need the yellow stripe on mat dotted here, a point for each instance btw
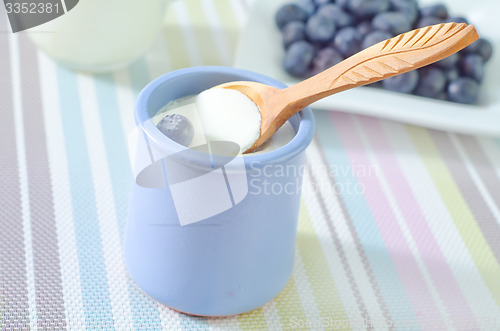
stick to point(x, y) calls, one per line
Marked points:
point(288, 305)
point(459, 211)
point(320, 279)
point(203, 35)
point(175, 44)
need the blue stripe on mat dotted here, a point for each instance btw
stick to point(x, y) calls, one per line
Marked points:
point(380, 261)
point(145, 314)
point(94, 285)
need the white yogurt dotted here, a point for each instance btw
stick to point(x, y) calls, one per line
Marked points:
point(225, 115)
point(229, 115)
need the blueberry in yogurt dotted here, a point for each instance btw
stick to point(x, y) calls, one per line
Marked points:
point(178, 128)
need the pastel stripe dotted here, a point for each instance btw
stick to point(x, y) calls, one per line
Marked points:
point(231, 20)
point(212, 19)
point(288, 304)
point(70, 269)
point(321, 281)
point(14, 308)
point(144, 312)
point(49, 297)
point(483, 166)
point(384, 271)
point(190, 15)
point(469, 191)
point(252, 320)
point(105, 205)
point(304, 291)
point(95, 289)
point(354, 291)
point(174, 40)
point(440, 221)
point(362, 273)
point(383, 214)
point(475, 178)
point(426, 242)
point(181, 18)
point(492, 152)
point(237, 18)
point(271, 316)
point(23, 177)
point(457, 207)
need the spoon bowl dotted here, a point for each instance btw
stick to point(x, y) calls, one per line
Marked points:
point(395, 56)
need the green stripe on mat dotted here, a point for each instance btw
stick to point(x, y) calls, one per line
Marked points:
point(457, 207)
point(318, 274)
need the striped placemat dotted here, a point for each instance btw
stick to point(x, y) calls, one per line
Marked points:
point(399, 225)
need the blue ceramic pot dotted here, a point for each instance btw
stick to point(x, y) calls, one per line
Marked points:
point(234, 261)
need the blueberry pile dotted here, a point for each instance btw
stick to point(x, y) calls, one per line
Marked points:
point(318, 34)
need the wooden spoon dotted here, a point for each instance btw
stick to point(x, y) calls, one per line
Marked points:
point(392, 57)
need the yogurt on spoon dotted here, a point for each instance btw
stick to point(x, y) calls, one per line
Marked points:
point(218, 115)
point(229, 115)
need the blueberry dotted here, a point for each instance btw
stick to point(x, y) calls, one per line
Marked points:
point(485, 49)
point(374, 38)
point(342, 3)
point(472, 65)
point(364, 28)
point(308, 5)
point(320, 28)
point(404, 83)
point(178, 128)
point(347, 41)
point(326, 58)
point(432, 82)
point(292, 32)
point(427, 21)
point(448, 62)
point(457, 19)
point(336, 14)
point(289, 13)
point(471, 49)
point(482, 47)
point(451, 74)
point(367, 8)
point(408, 7)
point(393, 22)
point(463, 90)
point(298, 58)
point(439, 11)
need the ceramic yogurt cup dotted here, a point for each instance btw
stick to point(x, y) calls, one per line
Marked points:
point(241, 255)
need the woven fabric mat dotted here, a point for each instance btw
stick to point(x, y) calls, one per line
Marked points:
point(398, 229)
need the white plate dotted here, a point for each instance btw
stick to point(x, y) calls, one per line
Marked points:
point(260, 50)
